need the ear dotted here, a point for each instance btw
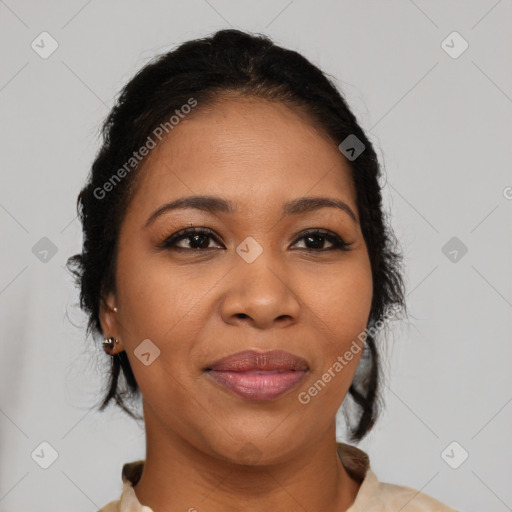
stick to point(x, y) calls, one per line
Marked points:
point(109, 319)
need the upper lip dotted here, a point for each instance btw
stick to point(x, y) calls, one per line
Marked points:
point(249, 360)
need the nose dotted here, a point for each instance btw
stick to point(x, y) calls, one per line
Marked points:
point(259, 293)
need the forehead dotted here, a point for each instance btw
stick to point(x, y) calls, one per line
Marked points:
point(249, 150)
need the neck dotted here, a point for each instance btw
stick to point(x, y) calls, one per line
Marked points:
point(178, 476)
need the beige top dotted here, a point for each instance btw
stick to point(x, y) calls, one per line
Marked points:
point(373, 496)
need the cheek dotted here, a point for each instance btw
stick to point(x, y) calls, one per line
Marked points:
point(163, 305)
point(342, 299)
point(341, 306)
point(159, 296)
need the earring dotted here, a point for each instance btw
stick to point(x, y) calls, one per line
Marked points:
point(108, 344)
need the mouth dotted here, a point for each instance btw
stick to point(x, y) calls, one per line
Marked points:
point(259, 376)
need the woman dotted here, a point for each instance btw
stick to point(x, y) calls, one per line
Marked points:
point(237, 262)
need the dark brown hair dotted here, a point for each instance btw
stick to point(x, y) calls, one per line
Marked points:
point(230, 61)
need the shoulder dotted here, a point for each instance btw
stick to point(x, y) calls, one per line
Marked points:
point(130, 475)
point(113, 506)
point(375, 496)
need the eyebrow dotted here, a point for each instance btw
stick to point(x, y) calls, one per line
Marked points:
point(213, 204)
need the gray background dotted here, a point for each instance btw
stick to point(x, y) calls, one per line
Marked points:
point(442, 130)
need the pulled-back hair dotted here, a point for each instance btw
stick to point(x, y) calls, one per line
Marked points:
point(228, 62)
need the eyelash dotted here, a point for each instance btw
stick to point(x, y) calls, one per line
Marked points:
point(337, 242)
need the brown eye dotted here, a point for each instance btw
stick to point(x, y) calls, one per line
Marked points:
point(315, 240)
point(198, 239)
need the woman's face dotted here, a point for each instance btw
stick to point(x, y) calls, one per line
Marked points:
point(258, 282)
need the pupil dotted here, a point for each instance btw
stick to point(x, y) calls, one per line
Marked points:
point(318, 244)
point(197, 238)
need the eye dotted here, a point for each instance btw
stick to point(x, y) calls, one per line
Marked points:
point(196, 238)
point(316, 238)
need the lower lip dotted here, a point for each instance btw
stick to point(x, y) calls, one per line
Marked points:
point(258, 385)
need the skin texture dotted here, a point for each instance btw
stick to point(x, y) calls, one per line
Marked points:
point(197, 307)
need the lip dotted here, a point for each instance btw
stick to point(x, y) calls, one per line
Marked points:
point(250, 360)
point(259, 375)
